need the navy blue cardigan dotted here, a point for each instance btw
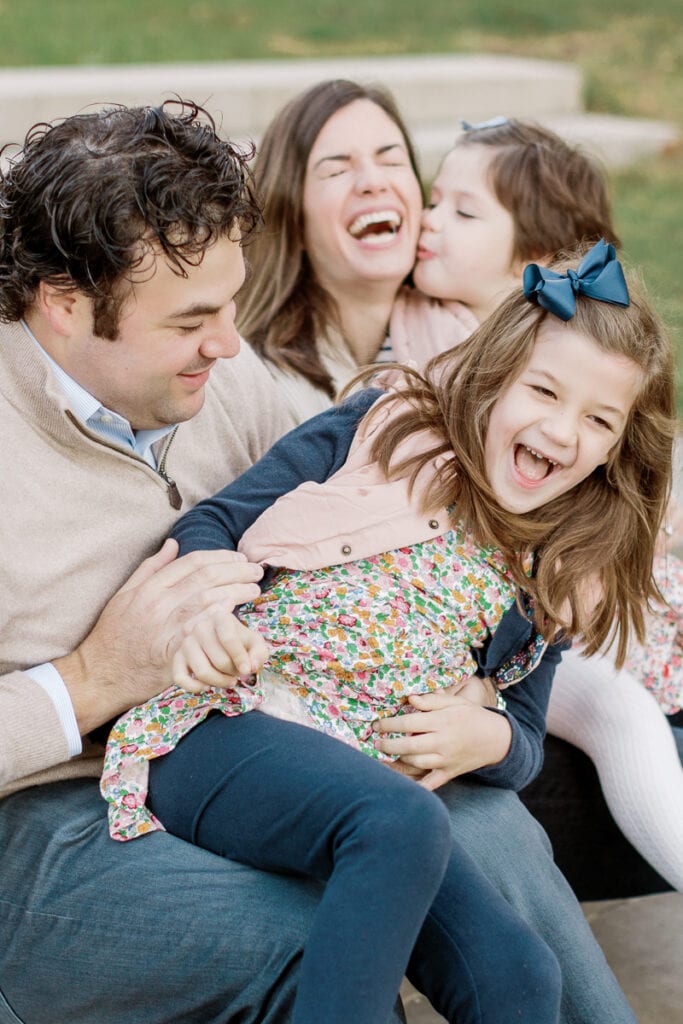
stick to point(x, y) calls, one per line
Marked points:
point(314, 451)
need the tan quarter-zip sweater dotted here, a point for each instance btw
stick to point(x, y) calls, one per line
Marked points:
point(76, 518)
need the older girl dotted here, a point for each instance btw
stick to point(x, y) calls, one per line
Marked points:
point(317, 306)
point(508, 192)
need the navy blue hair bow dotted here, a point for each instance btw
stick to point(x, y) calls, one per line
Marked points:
point(598, 276)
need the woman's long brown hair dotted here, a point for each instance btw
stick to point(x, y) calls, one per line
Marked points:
point(283, 309)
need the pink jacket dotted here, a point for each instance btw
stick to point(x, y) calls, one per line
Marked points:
point(355, 514)
point(421, 328)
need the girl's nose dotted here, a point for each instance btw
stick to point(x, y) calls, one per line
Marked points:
point(430, 218)
point(561, 428)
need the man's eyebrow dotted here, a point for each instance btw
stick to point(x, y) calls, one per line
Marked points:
point(197, 309)
point(346, 156)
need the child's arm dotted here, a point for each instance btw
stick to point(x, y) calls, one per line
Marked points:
point(527, 706)
point(421, 328)
point(446, 732)
point(446, 736)
point(313, 451)
point(216, 651)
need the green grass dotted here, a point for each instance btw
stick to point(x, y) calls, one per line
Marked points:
point(649, 215)
point(76, 32)
point(631, 55)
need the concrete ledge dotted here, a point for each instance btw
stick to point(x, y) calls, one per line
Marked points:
point(245, 94)
point(434, 93)
point(618, 141)
point(615, 141)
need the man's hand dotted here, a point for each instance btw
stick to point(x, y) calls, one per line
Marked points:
point(216, 649)
point(446, 736)
point(126, 657)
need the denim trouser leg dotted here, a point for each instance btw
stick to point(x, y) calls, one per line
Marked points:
point(159, 932)
point(513, 851)
point(149, 932)
point(283, 797)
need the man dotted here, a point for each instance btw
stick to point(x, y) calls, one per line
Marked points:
point(123, 400)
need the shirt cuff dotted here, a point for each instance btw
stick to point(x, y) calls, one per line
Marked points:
point(49, 679)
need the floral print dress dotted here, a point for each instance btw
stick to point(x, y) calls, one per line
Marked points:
point(349, 642)
point(658, 663)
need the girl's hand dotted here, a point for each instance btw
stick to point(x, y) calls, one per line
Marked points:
point(126, 658)
point(216, 651)
point(447, 735)
point(477, 689)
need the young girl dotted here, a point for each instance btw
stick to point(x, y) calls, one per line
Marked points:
point(537, 435)
point(508, 192)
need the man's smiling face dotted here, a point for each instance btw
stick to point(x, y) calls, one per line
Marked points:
point(171, 331)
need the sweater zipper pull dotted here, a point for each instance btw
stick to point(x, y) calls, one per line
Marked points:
point(175, 498)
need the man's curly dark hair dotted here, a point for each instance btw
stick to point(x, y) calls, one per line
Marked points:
point(85, 199)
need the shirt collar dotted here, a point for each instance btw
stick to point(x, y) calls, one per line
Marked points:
point(102, 421)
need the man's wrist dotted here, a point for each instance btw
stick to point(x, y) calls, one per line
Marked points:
point(50, 680)
point(94, 702)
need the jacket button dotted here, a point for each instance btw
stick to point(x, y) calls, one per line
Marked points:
point(346, 550)
point(433, 524)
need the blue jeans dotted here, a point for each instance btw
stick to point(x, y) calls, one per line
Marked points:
point(159, 931)
point(287, 798)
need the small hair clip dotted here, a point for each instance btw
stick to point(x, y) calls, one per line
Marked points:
point(598, 276)
point(494, 122)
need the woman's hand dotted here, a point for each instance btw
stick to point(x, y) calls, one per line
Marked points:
point(216, 651)
point(447, 735)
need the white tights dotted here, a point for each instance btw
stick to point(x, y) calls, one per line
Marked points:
point(619, 725)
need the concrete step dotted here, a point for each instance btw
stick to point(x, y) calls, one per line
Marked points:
point(434, 93)
point(616, 141)
point(246, 94)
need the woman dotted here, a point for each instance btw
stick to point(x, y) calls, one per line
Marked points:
point(338, 179)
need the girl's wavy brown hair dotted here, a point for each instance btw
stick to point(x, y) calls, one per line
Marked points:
point(283, 309)
point(556, 193)
point(601, 532)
